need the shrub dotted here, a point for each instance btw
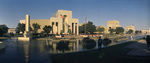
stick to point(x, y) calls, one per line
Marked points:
point(124, 38)
point(117, 39)
point(106, 41)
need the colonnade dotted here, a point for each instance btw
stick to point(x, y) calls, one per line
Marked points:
point(56, 28)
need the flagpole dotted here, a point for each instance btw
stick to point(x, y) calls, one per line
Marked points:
point(85, 26)
point(85, 29)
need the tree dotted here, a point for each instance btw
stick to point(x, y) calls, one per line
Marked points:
point(90, 27)
point(69, 31)
point(30, 29)
point(138, 31)
point(130, 31)
point(100, 29)
point(1, 32)
point(3, 29)
point(119, 30)
point(21, 28)
point(111, 30)
point(61, 32)
point(47, 29)
point(36, 26)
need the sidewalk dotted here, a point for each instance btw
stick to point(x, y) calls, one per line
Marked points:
point(140, 49)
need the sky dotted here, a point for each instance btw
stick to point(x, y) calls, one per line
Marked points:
point(127, 12)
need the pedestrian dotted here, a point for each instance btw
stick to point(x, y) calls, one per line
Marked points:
point(131, 37)
point(148, 41)
point(100, 42)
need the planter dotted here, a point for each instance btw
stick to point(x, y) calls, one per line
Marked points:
point(117, 40)
point(106, 41)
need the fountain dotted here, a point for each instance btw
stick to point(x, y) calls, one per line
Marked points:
point(26, 34)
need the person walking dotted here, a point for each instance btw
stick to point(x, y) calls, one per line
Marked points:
point(100, 42)
point(131, 37)
point(148, 41)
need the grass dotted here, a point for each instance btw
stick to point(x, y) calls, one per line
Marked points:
point(112, 54)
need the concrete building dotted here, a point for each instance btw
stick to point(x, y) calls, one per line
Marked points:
point(146, 31)
point(131, 27)
point(81, 29)
point(12, 30)
point(58, 23)
point(112, 24)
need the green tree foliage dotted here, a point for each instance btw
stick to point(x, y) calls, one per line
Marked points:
point(100, 29)
point(21, 28)
point(69, 31)
point(130, 31)
point(119, 30)
point(90, 27)
point(138, 32)
point(65, 15)
point(3, 29)
point(111, 30)
point(47, 29)
point(31, 29)
point(36, 27)
point(61, 32)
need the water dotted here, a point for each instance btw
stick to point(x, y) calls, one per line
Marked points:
point(39, 51)
point(25, 52)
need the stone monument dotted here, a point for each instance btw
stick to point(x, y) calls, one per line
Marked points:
point(27, 26)
point(27, 30)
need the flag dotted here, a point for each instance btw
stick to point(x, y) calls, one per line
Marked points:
point(85, 20)
point(62, 16)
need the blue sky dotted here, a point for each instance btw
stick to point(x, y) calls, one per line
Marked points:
point(127, 12)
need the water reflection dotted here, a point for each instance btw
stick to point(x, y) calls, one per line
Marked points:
point(82, 45)
point(38, 51)
point(2, 50)
point(25, 52)
point(63, 46)
point(88, 43)
point(24, 49)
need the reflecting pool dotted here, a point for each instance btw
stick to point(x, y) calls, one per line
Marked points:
point(37, 51)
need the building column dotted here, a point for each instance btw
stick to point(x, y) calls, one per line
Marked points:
point(52, 28)
point(77, 29)
point(74, 28)
point(27, 26)
point(27, 23)
point(56, 28)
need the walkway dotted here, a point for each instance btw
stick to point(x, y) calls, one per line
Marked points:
point(140, 49)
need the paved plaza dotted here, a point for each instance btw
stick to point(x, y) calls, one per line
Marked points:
point(140, 49)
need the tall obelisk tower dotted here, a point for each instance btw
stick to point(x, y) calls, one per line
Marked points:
point(27, 23)
point(26, 34)
point(27, 26)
